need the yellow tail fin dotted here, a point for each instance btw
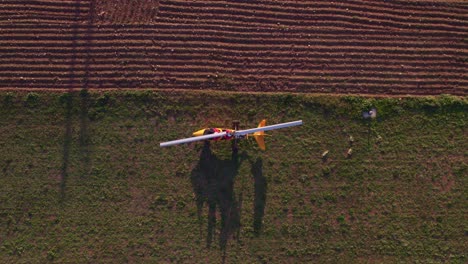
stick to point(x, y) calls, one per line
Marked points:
point(260, 136)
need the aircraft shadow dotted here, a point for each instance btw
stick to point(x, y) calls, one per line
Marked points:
point(213, 184)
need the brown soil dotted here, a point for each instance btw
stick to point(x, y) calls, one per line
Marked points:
point(361, 47)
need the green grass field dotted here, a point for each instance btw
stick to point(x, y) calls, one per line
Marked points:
point(83, 179)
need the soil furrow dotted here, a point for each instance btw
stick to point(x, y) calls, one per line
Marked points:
point(387, 47)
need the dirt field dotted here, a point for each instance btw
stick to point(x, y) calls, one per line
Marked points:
point(365, 47)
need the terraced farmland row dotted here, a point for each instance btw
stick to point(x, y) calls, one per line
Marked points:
point(374, 47)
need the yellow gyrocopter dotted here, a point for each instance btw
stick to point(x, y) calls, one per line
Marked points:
point(216, 134)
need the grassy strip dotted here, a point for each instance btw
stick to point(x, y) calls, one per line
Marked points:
point(83, 179)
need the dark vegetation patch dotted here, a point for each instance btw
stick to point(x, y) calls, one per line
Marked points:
point(83, 178)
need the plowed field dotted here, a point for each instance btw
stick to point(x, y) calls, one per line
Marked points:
point(366, 47)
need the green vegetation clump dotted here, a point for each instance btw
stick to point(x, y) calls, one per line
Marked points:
point(84, 179)
point(31, 99)
point(8, 98)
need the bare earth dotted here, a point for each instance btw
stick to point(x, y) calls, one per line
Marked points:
point(360, 47)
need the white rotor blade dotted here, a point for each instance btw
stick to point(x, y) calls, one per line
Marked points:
point(267, 128)
point(192, 139)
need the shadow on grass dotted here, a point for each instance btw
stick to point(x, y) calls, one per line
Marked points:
point(260, 188)
point(66, 145)
point(68, 102)
point(213, 184)
point(84, 95)
point(84, 137)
